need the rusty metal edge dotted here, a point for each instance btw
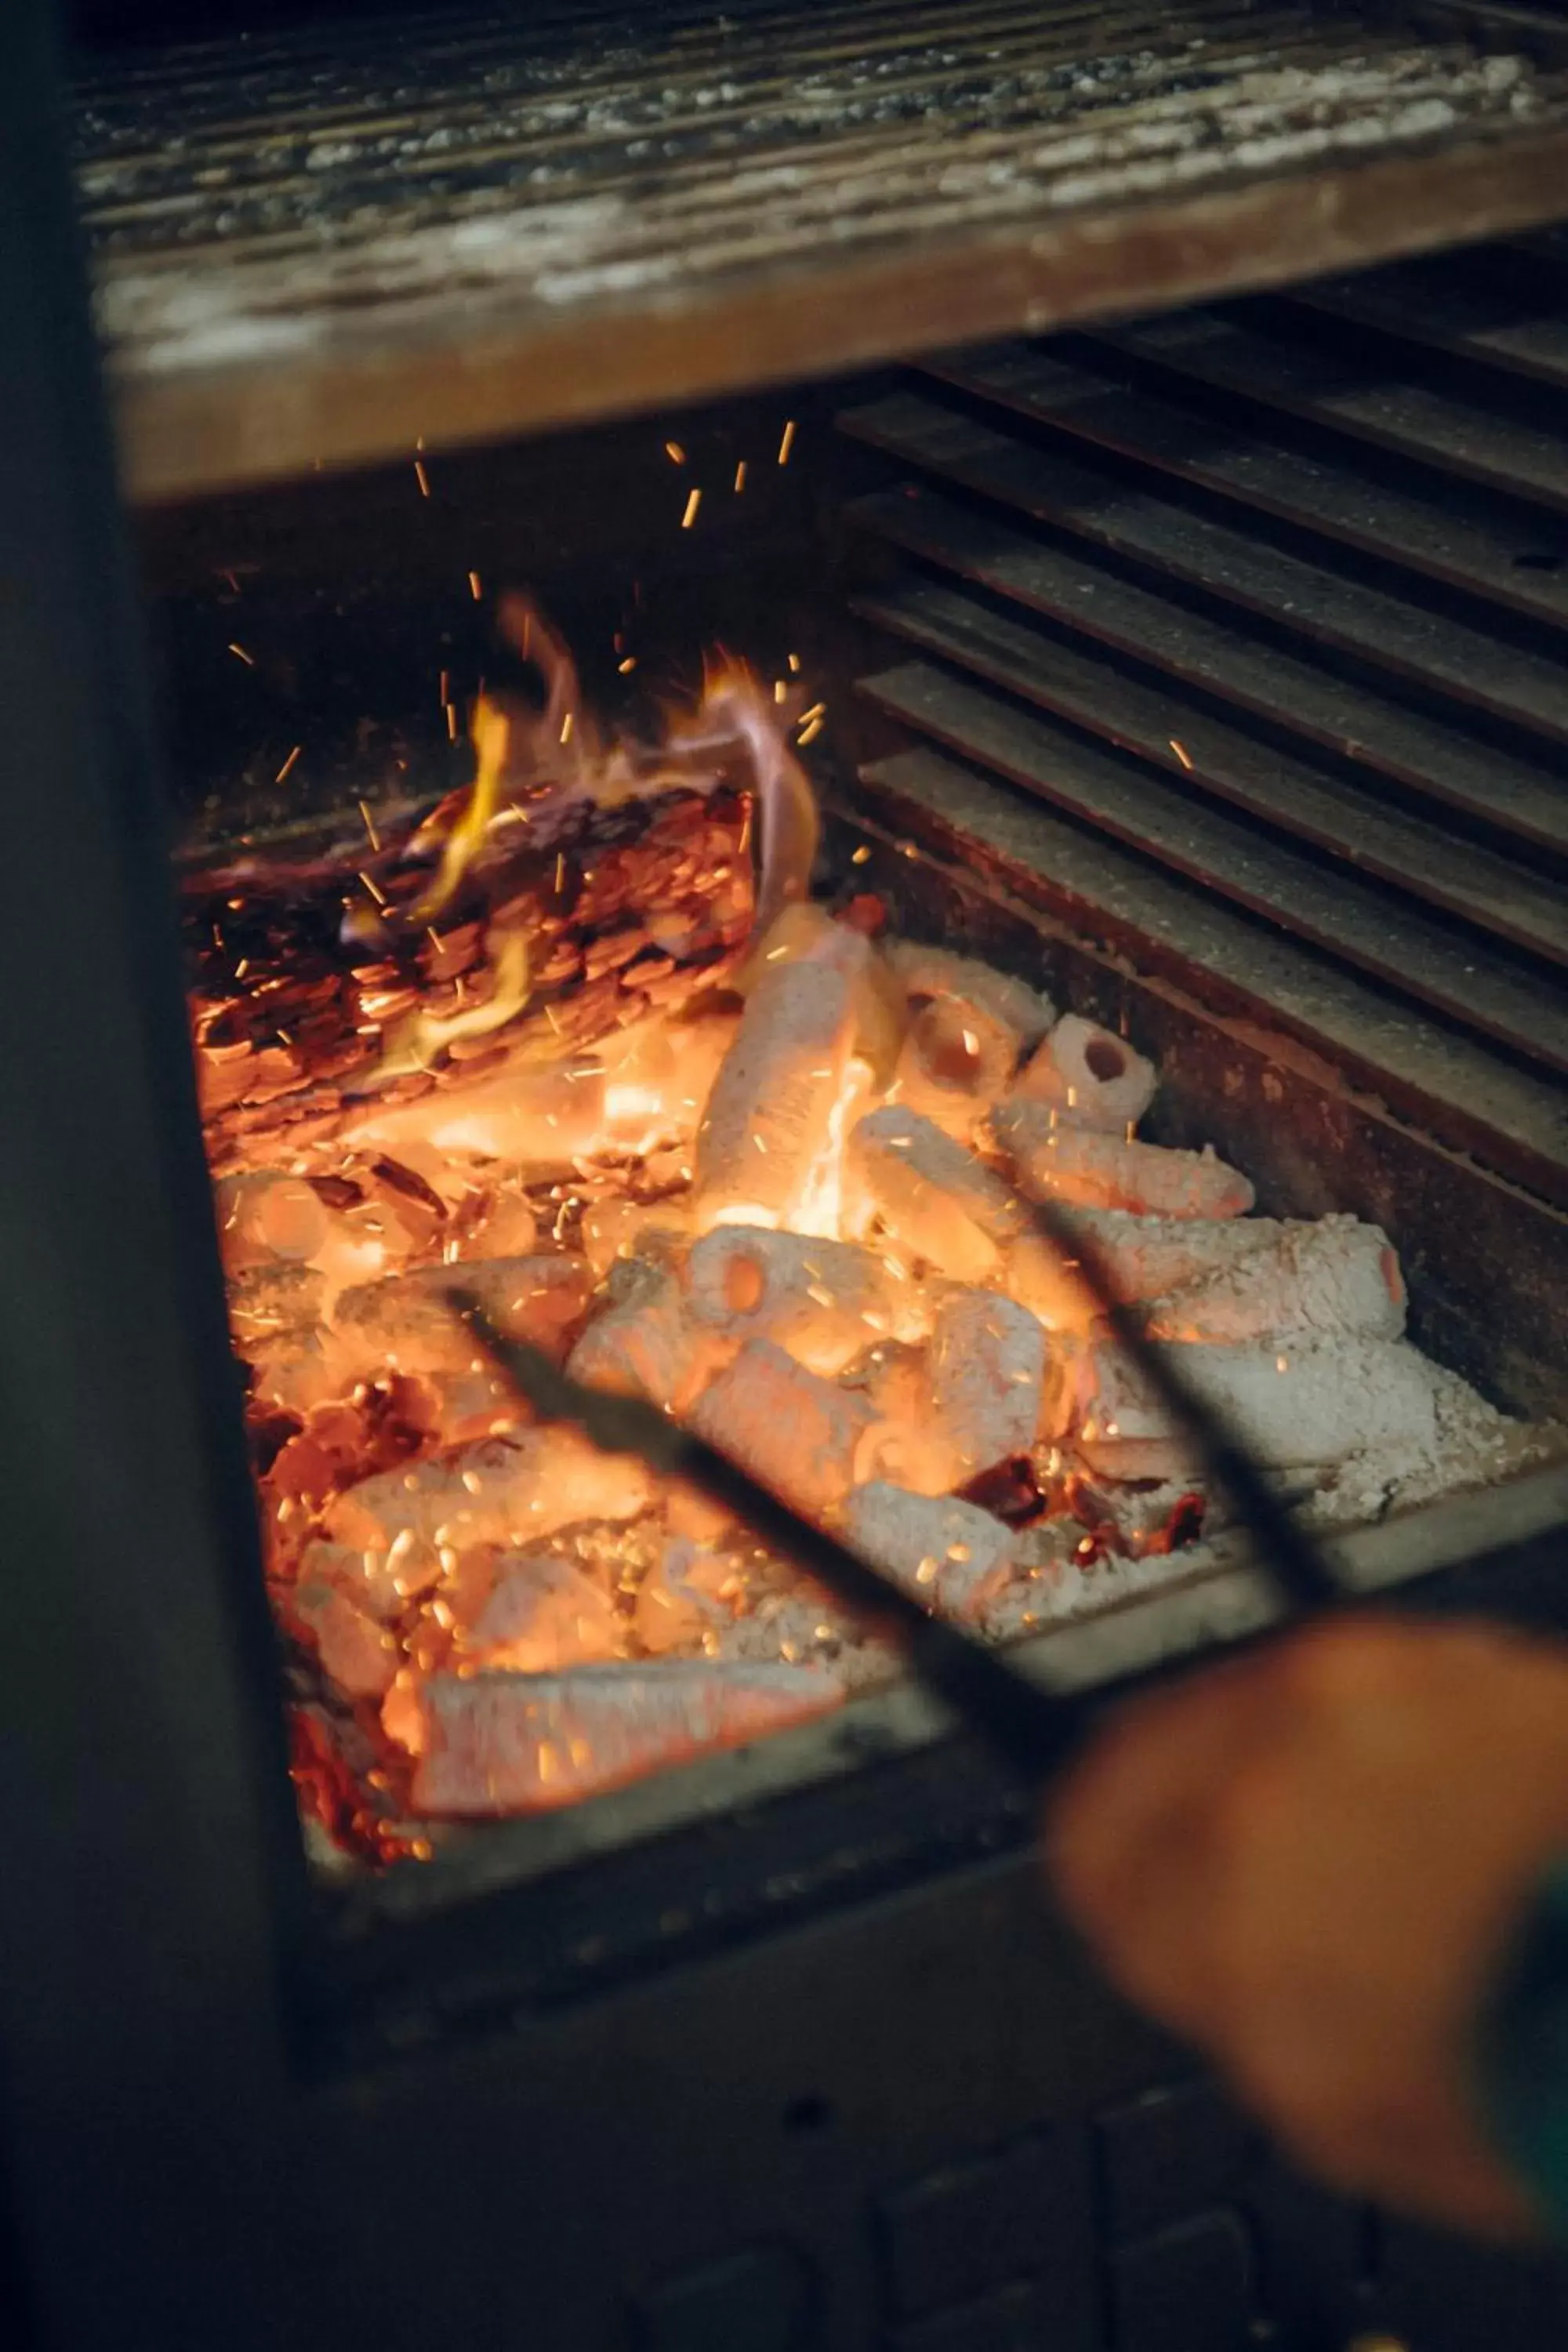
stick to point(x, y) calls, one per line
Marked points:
point(499, 372)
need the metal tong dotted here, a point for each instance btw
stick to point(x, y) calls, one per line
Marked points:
point(1032, 1728)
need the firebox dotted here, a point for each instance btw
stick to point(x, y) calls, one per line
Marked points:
point(770, 632)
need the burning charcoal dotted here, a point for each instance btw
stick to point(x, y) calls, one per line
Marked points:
point(356, 1653)
point(265, 1217)
point(823, 1301)
point(769, 1118)
point(688, 1511)
point(931, 972)
point(988, 1362)
point(1055, 1161)
point(651, 1346)
point(907, 1445)
point(1338, 1275)
point(686, 1595)
point(957, 1062)
point(509, 1228)
point(499, 1492)
point(499, 1743)
point(618, 1228)
point(1092, 1077)
point(272, 1301)
point(407, 1321)
point(931, 1196)
point(1308, 1402)
point(797, 1434)
point(543, 1614)
point(948, 1555)
point(805, 932)
point(467, 1405)
point(1246, 1277)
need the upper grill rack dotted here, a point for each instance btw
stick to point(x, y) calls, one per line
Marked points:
point(321, 248)
point(1264, 608)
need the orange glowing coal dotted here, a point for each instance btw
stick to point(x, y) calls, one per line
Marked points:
point(581, 1032)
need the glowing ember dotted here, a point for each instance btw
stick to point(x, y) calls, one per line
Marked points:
point(579, 1031)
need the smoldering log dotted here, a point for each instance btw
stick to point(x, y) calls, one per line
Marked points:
point(1307, 1401)
point(934, 1198)
point(1054, 1162)
point(798, 1433)
point(507, 1743)
point(950, 1556)
point(356, 1653)
point(768, 1119)
point(1089, 1076)
point(823, 1301)
point(987, 1364)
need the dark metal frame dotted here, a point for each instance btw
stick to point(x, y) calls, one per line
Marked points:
point(687, 2092)
point(154, 1873)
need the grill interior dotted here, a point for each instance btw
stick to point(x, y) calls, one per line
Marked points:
point(319, 245)
point(1240, 633)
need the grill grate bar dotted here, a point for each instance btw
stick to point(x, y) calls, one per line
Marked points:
point(1462, 658)
point(1465, 539)
point(1313, 380)
point(1450, 1083)
point(315, 251)
point(1421, 749)
point(1175, 734)
point(1501, 316)
point(1368, 928)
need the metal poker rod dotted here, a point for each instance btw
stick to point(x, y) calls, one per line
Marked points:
point(1033, 1729)
point(1287, 1556)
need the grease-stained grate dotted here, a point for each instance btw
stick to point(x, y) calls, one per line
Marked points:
point(320, 248)
point(1244, 631)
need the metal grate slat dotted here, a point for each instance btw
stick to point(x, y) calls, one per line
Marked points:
point(1366, 927)
point(1421, 749)
point(1175, 734)
point(317, 248)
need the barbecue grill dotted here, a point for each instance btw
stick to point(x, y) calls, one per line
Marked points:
point(1173, 527)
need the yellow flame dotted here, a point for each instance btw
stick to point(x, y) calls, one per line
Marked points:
point(490, 733)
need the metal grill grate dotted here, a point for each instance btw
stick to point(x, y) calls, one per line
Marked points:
point(317, 248)
point(1244, 631)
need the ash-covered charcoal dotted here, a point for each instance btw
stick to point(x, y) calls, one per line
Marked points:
point(987, 1365)
point(767, 1181)
point(541, 1615)
point(950, 1556)
point(505, 1743)
point(1089, 1076)
point(800, 1435)
point(930, 1196)
point(824, 1302)
point(1308, 1401)
point(767, 1126)
point(1053, 1161)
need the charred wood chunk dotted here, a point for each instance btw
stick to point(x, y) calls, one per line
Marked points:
point(507, 1743)
point(407, 1321)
